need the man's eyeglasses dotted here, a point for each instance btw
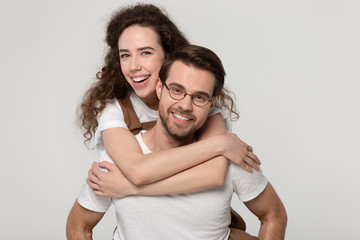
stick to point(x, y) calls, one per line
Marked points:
point(178, 93)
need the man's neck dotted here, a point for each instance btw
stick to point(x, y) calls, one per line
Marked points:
point(158, 139)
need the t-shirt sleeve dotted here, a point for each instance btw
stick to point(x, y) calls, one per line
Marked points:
point(111, 116)
point(87, 197)
point(247, 185)
point(89, 200)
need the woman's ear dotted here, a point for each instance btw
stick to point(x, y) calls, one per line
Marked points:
point(158, 88)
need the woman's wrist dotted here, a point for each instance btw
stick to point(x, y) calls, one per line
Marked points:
point(134, 191)
point(218, 145)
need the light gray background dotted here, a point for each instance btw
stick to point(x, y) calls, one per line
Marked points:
point(293, 65)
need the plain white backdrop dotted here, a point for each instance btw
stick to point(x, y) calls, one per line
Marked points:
point(293, 65)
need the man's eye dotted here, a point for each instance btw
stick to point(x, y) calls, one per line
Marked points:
point(176, 90)
point(146, 53)
point(200, 98)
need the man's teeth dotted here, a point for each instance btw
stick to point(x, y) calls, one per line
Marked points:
point(181, 117)
point(139, 79)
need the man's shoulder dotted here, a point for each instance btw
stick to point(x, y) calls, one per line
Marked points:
point(245, 184)
point(237, 173)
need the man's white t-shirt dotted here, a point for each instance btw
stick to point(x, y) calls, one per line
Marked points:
point(144, 207)
point(202, 215)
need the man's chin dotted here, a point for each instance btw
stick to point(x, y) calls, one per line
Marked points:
point(179, 133)
point(182, 135)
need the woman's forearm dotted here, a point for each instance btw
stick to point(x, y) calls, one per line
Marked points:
point(206, 175)
point(142, 169)
point(113, 183)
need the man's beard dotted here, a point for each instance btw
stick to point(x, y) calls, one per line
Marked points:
point(181, 135)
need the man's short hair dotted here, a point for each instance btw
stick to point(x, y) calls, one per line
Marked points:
point(199, 57)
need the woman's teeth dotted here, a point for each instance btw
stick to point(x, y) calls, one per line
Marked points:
point(140, 79)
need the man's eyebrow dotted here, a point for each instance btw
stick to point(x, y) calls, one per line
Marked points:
point(139, 49)
point(176, 85)
point(196, 93)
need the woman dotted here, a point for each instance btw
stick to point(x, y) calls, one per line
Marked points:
point(140, 37)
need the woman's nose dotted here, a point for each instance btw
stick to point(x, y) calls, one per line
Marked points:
point(135, 64)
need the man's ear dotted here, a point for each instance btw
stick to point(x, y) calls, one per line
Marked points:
point(212, 103)
point(158, 88)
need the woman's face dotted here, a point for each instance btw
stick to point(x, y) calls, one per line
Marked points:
point(141, 57)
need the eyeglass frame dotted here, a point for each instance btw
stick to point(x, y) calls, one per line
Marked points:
point(191, 95)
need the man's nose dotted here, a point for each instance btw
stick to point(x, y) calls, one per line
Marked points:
point(186, 103)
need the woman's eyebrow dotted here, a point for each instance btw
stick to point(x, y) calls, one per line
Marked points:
point(123, 50)
point(139, 49)
point(146, 48)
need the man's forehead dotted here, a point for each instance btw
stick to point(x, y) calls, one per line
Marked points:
point(191, 77)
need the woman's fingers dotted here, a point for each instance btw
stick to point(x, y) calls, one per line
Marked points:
point(250, 162)
point(253, 158)
point(99, 193)
point(93, 173)
point(93, 185)
point(108, 166)
point(246, 167)
point(96, 189)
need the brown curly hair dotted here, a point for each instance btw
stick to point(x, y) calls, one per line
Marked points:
point(110, 82)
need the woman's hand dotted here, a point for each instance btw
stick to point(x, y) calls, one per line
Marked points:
point(240, 153)
point(112, 183)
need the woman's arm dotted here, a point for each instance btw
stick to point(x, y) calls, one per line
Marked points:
point(141, 169)
point(114, 184)
point(203, 176)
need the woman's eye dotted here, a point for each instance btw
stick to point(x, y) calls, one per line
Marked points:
point(146, 53)
point(125, 55)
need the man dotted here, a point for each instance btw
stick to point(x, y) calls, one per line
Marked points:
point(190, 81)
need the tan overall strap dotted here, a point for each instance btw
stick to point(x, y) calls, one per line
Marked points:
point(131, 119)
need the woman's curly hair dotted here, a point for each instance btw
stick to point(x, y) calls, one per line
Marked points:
point(110, 82)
